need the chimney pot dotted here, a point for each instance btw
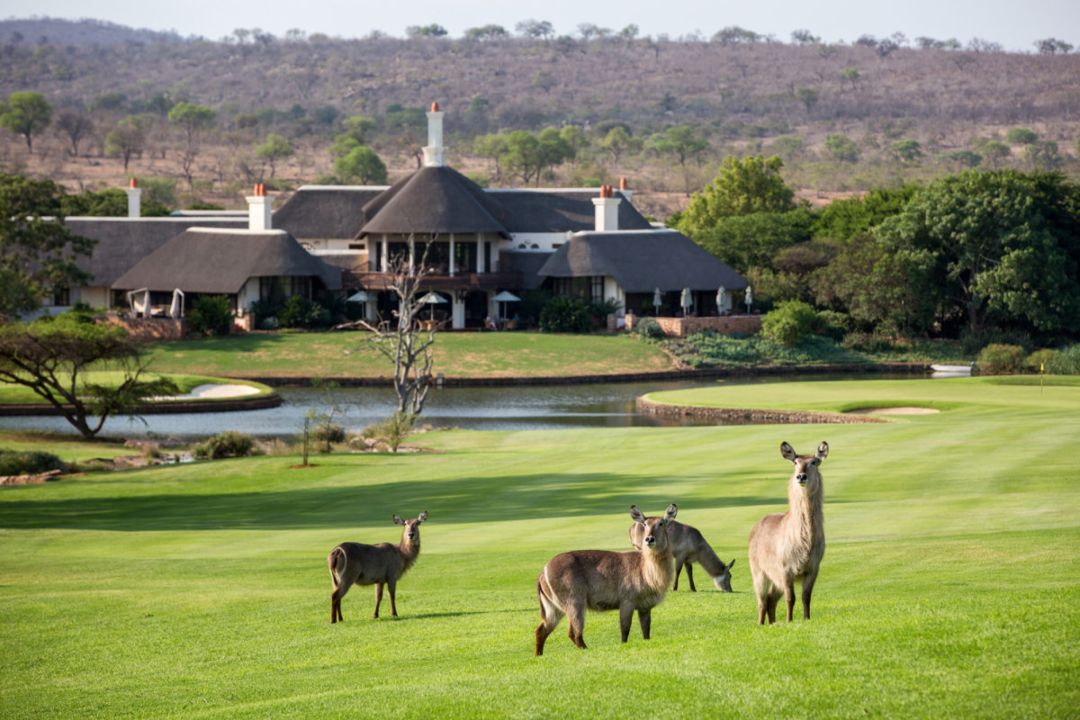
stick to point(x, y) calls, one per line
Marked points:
point(435, 106)
point(133, 183)
point(624, 184)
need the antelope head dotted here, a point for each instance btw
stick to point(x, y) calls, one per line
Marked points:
point(723, 581)
point(806, 475)
point(412, 527)
point(654, 537)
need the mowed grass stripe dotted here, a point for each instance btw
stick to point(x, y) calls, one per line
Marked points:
point(949, 586)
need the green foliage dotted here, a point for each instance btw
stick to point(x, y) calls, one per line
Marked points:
point(26, 113)
point(647, 327)
point(126, 140)
point(994, 151)
point(524, 154)
point(565, 314)
point(13, 462)
point(393, 431)
point(743, 187)
point(191, 117)
point(1044, 155)
point(619, 142)
point(906, 151)
point(999, 359)
point(434, 30)
point(486, 33)
point(1065, 361)
point(709, 349)
point(844, 219)
point(298, 311)
point(361, 165)
point(1021, 136)
point(36, 254)
point(228, 444)
point(158, 196)
point(966, 158)
point(791, 323)
point(1041, 360)
point(211, 315)
point(749, 241)
point(328, 434)
point(111, 202)
point(842, 148)
point(276, 148)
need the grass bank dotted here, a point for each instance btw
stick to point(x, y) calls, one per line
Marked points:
point(18, 394)
point(490, 355)
point(949, 588)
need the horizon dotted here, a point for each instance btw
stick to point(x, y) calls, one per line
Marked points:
point(835, 21)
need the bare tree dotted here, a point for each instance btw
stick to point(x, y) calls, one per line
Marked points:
point(404, 340)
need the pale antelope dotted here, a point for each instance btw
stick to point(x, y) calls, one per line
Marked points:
point(688, 546)
point(786, 547)
point(604, 580)
point(383, 564)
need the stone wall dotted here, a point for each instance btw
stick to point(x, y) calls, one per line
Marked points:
point(149, 328)
point(683, 326)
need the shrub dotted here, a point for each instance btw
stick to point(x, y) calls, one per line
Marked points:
point(564, 314)
point(328, 433)
point(225, 445)
point(867, 342)
point(13, 462)
point(647, 327)
point(391, 431)
point(833, 324)
point(1065, 361)
point(999, 359)
point(211, 315)
point(790, 323)
point(1040, 358)
point(298, 311)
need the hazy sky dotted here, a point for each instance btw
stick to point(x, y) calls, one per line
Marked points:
point(1015, 24)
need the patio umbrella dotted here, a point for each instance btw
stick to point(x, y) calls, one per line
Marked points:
point(749, 298)
point(720, 297)
point(657, 300)
point(358, 297)
point(686, 300)
point(176, 307)
point(432, 299)
point(505, 297)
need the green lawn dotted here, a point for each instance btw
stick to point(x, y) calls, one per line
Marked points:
point(347, 354)
point(12, 394)
point(950, 588)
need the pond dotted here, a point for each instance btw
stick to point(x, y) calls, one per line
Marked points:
point(486, 408)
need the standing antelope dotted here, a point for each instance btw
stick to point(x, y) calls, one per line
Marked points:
point(603, 580)
point(785, 547)
point(358, 564)
point(688, 546)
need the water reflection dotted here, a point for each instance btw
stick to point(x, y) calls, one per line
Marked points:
point(497, 408)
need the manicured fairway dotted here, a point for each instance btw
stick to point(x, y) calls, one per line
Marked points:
point(347, 354)
point(950, 587)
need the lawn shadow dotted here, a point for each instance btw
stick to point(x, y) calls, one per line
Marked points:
point(449, 501)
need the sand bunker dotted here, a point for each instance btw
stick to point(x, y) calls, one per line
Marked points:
point(895, 411)
point(203, 392)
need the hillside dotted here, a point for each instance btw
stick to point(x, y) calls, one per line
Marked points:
point(741, 97)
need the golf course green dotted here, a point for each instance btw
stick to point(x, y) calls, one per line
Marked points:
point(950, 586)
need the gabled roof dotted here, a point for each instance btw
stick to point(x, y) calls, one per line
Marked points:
point(207, 260)
point(526, 263)
point(433, 200)
point(641, 261)
point(559, 211)
point(122, 242)
point(326, 211)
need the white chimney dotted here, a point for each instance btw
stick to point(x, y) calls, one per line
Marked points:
point(134, 193)
point(259, 209)
point(433, 152)
point(607, 209)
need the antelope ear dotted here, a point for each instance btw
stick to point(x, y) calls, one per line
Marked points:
point(398, 520)
point(822, 450)
point(670, 513)
point(634, 542)
point(422, 516)
point(788, 452)
point(636, 514)
point(731, 564)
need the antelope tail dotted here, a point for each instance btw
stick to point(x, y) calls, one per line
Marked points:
point(336, 561)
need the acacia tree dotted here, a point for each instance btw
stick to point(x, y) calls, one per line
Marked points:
point(76, 126)
point(192, 120)
point(51, 356)
point(684, 144)
point(27, 114)
point(276, 148)
point(126, 140)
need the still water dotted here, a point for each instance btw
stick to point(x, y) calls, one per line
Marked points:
point(496, 408)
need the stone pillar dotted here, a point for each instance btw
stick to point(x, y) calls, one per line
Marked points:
point(453, 263)
point(457, 311)
point(480, 265)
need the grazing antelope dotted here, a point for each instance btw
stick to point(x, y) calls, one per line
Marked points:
point(688, 546)
point(383, 564)
point(785, 547)
point(603, 580)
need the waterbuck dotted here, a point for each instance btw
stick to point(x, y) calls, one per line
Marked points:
point(785, 547)
point(688, 546)
point(383, 564)
point(603, 580)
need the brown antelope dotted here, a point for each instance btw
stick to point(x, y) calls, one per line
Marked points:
point(688, 546)
point(383, 564)
point(603, 580)
point(785, 547)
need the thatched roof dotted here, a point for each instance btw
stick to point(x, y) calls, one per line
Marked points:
point(122, 242)
point(434, 200)
point(641, 261)
point(326, 211)
point(526, 263)
point(206, 260)
point(555, 211)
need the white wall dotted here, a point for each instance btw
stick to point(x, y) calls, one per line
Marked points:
point(547, 242)
point(614, 291)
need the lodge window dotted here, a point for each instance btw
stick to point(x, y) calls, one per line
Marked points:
point(61, 296)
point(357, 246)
point(596, 289)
